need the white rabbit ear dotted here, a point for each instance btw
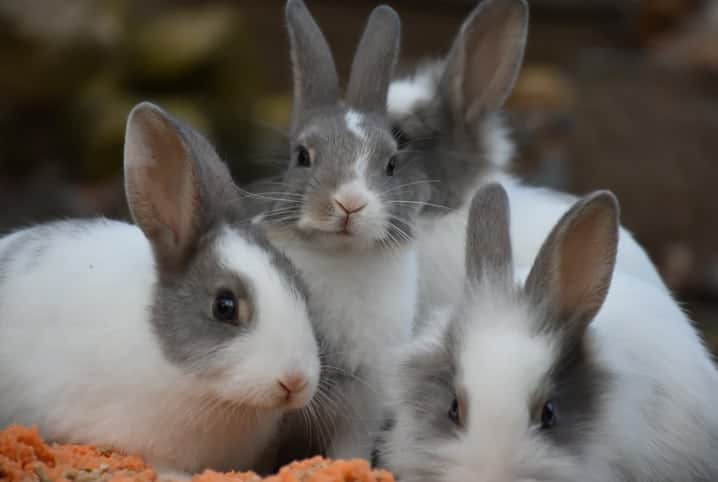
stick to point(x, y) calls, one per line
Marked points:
point(162, 182)
point(572, 273)
point(486, 57)
point(488, 241)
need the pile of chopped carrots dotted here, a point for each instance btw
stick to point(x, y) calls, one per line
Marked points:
point(24, 456)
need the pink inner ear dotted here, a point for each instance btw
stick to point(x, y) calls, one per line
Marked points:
point(586, 262)
point(165, 189)
point(491, 45)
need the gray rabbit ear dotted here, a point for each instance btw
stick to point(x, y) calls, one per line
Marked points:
point(374, 61)
point(486, 57)
point(572, 273)
point(173, 182)
point(488, 239)
point(316, 83)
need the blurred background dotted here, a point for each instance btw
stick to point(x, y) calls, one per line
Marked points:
point(617, 94)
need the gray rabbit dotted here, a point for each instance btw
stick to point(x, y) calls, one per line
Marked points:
point(344, 213)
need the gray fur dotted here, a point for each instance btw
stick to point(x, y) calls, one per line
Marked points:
point(176, 184)
point(190, 278)
point(488, 246)
point(576, 383)
point(451, 135)
point(321, 128)
point(433, 374)
point(374, 62)
point(316, 83)
point(336, 150)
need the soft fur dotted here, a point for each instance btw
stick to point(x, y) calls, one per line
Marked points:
point(360, 267)
point(447, 116)
point(108, 329)
point(632, 386)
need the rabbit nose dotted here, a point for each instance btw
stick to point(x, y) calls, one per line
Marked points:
point(292, 383)
point(351, 206)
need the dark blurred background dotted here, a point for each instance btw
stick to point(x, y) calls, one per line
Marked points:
point(617, 94)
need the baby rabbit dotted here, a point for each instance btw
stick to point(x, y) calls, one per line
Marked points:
point(447, 118)
point(183, 339)
point(572, 376)
point(344, 213)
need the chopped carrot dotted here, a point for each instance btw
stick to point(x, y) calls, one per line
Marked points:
point(25, 457)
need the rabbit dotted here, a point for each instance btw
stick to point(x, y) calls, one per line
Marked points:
point(447, 118)
point(562, 370)
point(343, 211)
point(184, 338)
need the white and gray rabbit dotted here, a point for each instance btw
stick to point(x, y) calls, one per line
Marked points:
point(344, 213)
point(183, 338)
point(581, 372)
point(447, 117)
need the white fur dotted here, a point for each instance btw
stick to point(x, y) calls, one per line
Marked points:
point(364, 302)
point(657, 416)
point(81, 361)
point(406, 94)
point(534, 210)
point(354, 121)
point(274, 307)
point(499, 148)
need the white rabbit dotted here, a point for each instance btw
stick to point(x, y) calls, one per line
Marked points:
point(448, 117)
point(343, 211)
point(580, 373)
point(183, 339)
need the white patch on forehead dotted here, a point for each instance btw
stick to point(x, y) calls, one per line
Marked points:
point(354, 120)
point(502, 361)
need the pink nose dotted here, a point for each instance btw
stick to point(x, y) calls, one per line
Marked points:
point(351, 206)
point(292, 384)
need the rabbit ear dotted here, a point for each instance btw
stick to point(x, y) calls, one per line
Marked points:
point(486, 57)
point(171, 194)
point(572, 272)
point(374, 61)
point(488, 241)
point(316, 83)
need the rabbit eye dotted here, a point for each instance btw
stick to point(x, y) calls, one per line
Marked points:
point(302, 156)
point(225, 307)
point(390, 166)
point(455, 412)
point(548, 415)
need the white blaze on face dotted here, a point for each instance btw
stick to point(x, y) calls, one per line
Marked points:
point(502, 365)
point(369, 219)
point(354, 120)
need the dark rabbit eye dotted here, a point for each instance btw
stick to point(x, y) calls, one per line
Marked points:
point(399, 136)
point(455, 412)
point(225, 307)
point(302, 157)
point(390, 166)
point(548, 415)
